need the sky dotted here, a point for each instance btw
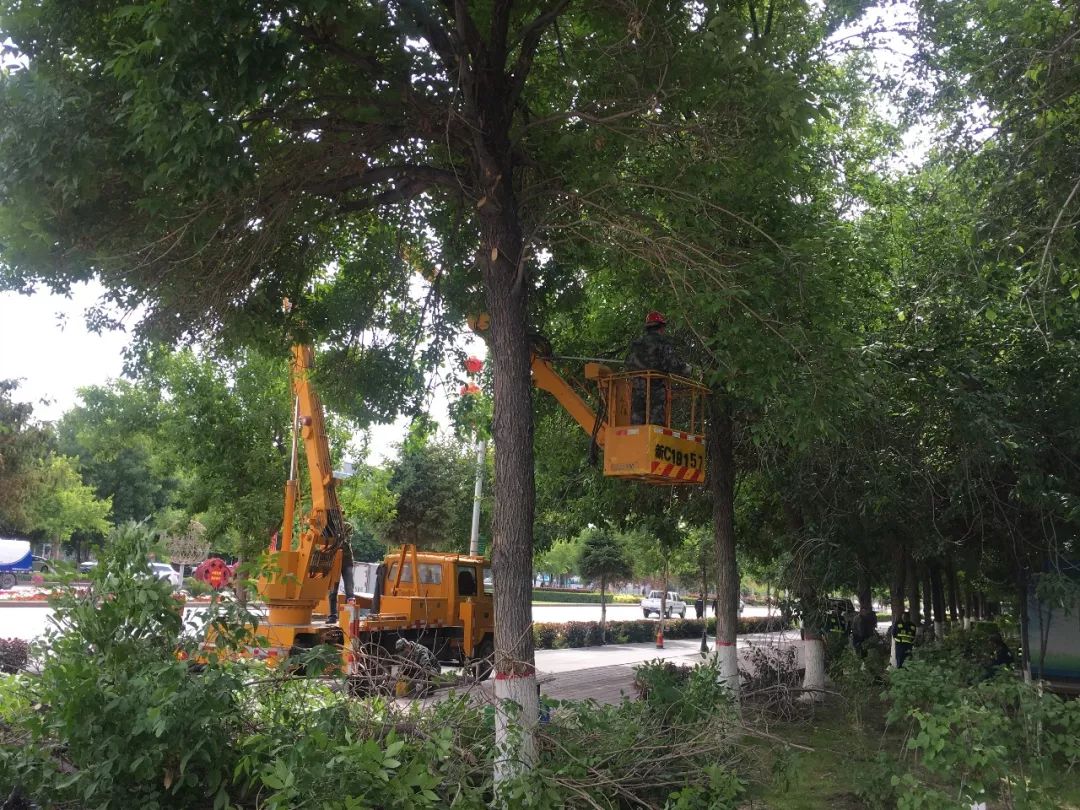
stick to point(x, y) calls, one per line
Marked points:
point(48, 348)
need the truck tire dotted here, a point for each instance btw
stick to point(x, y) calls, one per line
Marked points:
point(7, 580)
point(646, 613)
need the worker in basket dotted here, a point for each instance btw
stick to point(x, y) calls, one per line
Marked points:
point(653, 351)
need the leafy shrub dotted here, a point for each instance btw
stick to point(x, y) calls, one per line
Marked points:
point(568, 596)
point(983, 739)
point(196, 587)
point(14, 653)
point(116, 719)
point(545, 636)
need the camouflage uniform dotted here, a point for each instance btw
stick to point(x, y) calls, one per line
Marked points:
point(652, 352)
point(419, 666)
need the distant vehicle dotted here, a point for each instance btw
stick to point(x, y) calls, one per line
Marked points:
point(87, 566)
point(41, 565)
point(674, 607)
point(166, 572)
point(15, 559)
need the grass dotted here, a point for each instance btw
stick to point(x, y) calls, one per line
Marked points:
point(828, 775)
point(823, 776)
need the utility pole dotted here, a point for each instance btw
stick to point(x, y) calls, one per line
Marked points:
point(478, 491)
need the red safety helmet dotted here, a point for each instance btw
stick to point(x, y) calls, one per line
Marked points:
point(655, 319)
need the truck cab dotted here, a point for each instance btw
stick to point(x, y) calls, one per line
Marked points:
point(443, 601)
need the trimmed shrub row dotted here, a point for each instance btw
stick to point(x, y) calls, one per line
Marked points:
point(582, 597)
point(558, 635)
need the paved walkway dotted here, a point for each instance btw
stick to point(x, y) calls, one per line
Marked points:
point(606, 674)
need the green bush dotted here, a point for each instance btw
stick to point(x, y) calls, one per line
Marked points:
point(582, 597)
point(973, 735)
point(197, 587)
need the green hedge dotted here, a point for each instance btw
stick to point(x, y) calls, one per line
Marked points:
point(558, 635)
point(582, 597)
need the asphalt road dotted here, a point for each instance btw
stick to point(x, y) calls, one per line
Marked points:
point(30, 622)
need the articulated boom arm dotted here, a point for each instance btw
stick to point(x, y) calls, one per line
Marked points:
point(325, 534)
point(305, 575)
point(546, 378)
point(650, 425)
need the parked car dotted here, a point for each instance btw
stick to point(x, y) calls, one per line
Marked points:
point(41, 565)
point(674, 607)
point(86, 566)
point(166, 572)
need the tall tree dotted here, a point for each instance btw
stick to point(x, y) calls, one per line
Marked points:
point(603, 559)
point(23, 444)
point(61, 504)
point(227, 152)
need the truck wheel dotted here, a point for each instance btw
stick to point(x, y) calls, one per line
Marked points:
point(645, 613)
point(480, 665)
point(7, 580)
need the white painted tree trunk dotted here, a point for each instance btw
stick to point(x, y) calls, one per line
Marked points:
point(727, 656)
point(517, 712)
point(939, 630)
point(814, 674)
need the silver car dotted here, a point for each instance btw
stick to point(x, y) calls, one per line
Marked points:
point(166, 572)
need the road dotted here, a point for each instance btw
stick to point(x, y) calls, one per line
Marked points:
point(30, 622)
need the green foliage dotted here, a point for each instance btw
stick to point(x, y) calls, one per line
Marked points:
point(117, 719)
point(114, 435)
point(974, 734)
point(135, 724)
point(582, 597)
point(603, 558)
point(22, 445)
point(59, 504)
point(560, 560)
point(432, 487)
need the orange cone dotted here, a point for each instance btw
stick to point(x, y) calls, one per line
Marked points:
point(660, 637)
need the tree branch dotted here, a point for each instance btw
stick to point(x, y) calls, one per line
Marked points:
point(529, 40)
point(413, 180)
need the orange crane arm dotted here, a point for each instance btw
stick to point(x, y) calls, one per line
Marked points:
point(546, 378)
point(325, 533)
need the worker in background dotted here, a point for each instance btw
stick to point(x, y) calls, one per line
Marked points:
point(653, 351)
point(346, 577)
point(903, 632)
point(699, 607)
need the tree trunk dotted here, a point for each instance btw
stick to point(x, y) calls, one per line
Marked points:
point(1022, 605)
point(937, 594)
point(813, 647)
point(603, 610)
point(912, 582)
point(720, 441)
point(896, 582)
point(862, 587)
point(506, 288)
point(927, 603)
point(952, 589)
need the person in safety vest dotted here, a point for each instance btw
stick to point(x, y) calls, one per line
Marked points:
point(653, 351)
point(903, 632)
